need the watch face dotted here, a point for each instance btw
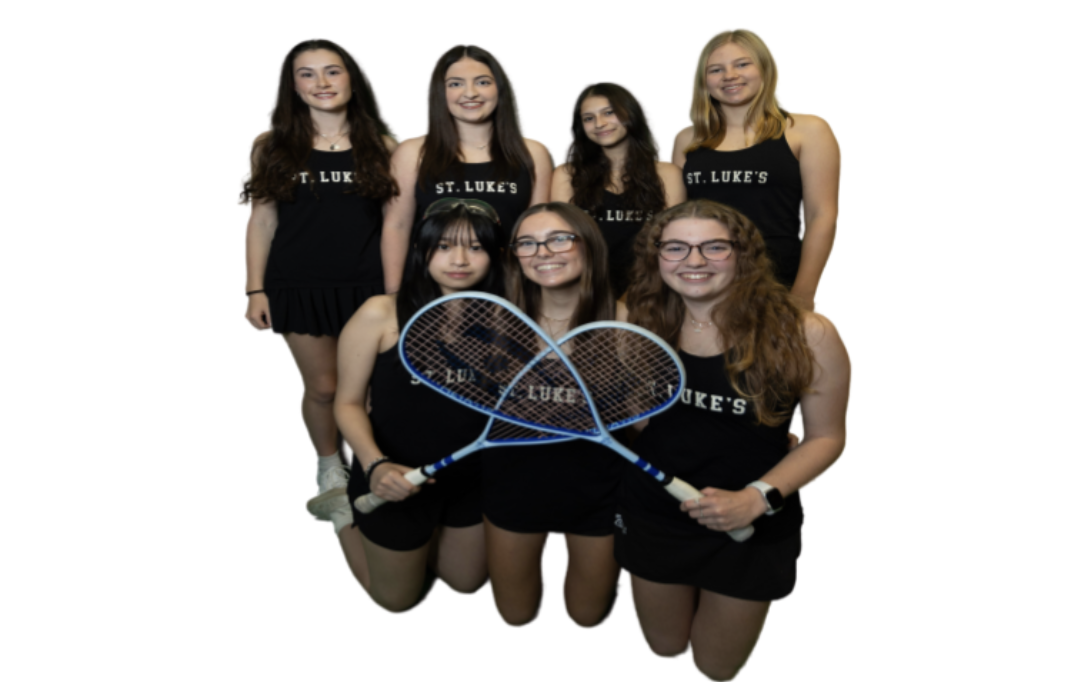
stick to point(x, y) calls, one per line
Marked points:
point(775, 499)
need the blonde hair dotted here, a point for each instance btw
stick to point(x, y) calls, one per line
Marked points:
point(765, 116)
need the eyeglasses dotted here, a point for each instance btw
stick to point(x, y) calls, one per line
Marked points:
point(558, 243)
point(717, 249)
point(477, 206)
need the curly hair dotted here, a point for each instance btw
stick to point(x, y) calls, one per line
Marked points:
point(765, 115)
point(280, 155)
point(590, 168)
point(768, 359)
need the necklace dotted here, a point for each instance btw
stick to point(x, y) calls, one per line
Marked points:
point(698, 327)
point(549, 327)
point(333, 147)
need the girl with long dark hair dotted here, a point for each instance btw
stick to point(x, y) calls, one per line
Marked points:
point(557, 274)
point(613, 172)
point(319, 180)
point(473, 148)
point(703, 281)
point(455, 248)
point(747, 152)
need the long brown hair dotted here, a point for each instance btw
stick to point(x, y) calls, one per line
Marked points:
point(281, 154)
point(441, 150)
point(767, 118)
point(596, 300)
point(768, 359)
point(591, 169)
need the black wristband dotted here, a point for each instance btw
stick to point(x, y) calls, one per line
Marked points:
point(255, 291)
point(372, 465)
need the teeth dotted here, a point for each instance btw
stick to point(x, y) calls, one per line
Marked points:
point(548, 266)
point(695, 275)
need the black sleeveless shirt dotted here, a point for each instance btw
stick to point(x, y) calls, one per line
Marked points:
point(510, 196)
point(764, 183)
point(326, 237)
point(708, 438)
point(619, 226)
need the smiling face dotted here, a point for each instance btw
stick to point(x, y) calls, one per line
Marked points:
point(732, 76)
point(459, 261)
point(547, 269)
point(471, 91)
point(600, 122)
point(697, 279)
point(321, 80)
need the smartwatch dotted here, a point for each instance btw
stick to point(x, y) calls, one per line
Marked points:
point(772, 497)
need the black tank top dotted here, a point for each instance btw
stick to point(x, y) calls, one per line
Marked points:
point(510, 196)
point(708, 438)
point(764, 183)
point(326, 236)
point(619, 226)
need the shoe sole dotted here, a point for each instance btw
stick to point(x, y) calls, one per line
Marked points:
point(323, 505)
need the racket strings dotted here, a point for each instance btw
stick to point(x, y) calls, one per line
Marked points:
point(549, 395)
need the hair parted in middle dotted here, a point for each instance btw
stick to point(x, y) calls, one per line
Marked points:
point(441, 149)
point(596, 300)
point(768, 359)
point(458, 224)
point(590, 168)
point(767, 118)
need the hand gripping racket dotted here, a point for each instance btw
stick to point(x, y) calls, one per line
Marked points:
point(471, 347)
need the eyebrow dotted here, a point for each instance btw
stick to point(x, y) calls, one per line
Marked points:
point(316, 68)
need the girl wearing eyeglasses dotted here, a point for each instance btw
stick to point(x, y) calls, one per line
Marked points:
point(473, 149)
point(455, 248)
point(703, 281)
point(558, 274)
point(613, 172)
point(744, 151)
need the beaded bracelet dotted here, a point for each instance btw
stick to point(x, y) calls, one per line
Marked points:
point(255, 291)
point(372, 465)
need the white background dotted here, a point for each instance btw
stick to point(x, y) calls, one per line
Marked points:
point(156, 467)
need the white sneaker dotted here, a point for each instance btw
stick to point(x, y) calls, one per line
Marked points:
point(332, 492)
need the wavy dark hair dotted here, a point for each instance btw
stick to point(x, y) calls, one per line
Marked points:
point(768, 360)
point(441, 151)
point(280, 155)
point(590, 168)
point(596, 300)
point(417, 286)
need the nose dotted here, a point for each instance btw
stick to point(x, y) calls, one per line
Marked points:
point(696, 257)
point(460, 255)
point(471, 90)
point(599, 121)
point(322, 80)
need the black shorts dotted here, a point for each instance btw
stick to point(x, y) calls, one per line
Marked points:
point(453, 501)
point(566, 487)
point(714, 562)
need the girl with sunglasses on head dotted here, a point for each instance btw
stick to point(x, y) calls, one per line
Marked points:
point(745, 151)
point(473, 149)
point(703, 281)
point(614, 174)
point(558, 275)
point(454, 248)
point(320, 178)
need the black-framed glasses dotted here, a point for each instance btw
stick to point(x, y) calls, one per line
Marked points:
point(472, 205)
point(716, 249)
point(557, 243)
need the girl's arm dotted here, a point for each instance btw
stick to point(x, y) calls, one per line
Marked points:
point(397, 223)
point(824, 410)
point(561, 189)
point(672, 183)
point(543, 172)
point(819, 161)
point(260, 230)
point(371, 328)
point(683, 139)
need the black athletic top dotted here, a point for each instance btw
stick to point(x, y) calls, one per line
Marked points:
point(764, 182)
point(619, 226)
point(415, 425)
point(510, 196)
point(708, 438)
point(326, 237)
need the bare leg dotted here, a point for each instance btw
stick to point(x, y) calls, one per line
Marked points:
point(666, 614)
point(316, 358)
point(393, 579)
point(725, 630)
point(591, 584)
point(514, 565)
point(460, 558)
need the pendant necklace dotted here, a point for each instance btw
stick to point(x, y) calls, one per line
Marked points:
point(333, 147)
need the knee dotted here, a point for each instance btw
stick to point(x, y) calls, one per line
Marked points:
point(668, 646)
point(393, 602)
point(466, 585)
point(717, 670)
point(518, 616)
point(589, 615)
point(322, 391)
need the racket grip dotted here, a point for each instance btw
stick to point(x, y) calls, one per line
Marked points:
point(683, 491)
point(365, 504)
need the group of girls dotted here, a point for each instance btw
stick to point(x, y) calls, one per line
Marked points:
point(351, 234)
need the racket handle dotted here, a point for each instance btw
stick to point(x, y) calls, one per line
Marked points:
point(368, 503)
point(683, 491)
